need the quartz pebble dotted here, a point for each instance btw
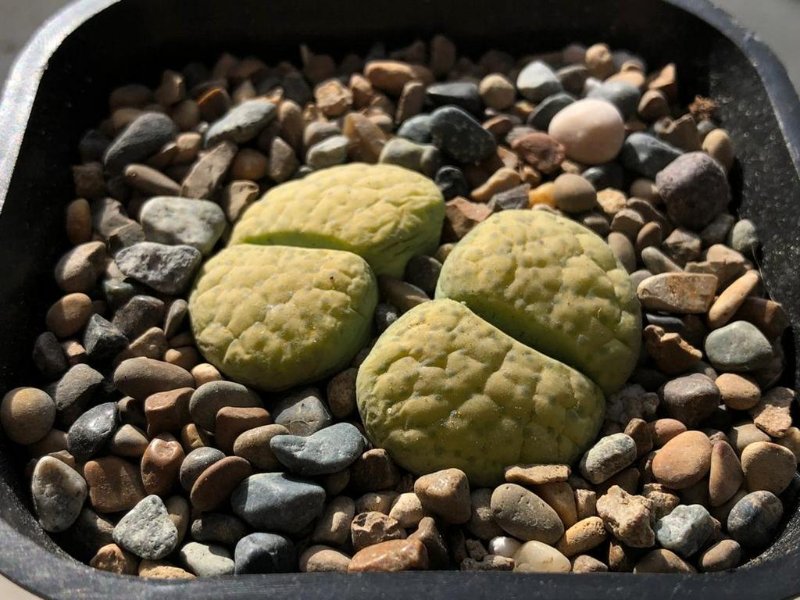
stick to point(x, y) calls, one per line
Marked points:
point(592, 131)
point(206, 560)
point(537, 557)
point(58, 493)
point(685, 530)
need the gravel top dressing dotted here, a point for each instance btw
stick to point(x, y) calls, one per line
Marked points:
point(408, 311)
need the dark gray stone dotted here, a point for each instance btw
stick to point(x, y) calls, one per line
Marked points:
point(265, 553)
point(385, 315)
point(194, 463)
point(119, 291)
point(278, 502)
point(514, 199)
point(457, 133)
point(548, 108)
point(622, 95)
point(537, 81)
point(142, 138)
point(102, 340)
point(92, 430)
point(572, 78)
point(417, 129)
point(93, 146)
point(605, 176)
point(48, 356)
point(108, 215)
point(176, 315)
point(685, 530)
point(738, 346)
point(423, 272)
point(147, 530)
point(691, 399)
point(218, 528)
point(242, 123)
point(74, 391)
point(328, 152)
point(463, 94)
point(451, 182)
point(139, 314)
point(754, 520)
point(329, 450)
point(647, 155)
point(166, 269)
point(302, 412)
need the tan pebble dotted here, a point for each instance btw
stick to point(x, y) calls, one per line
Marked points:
point(79, 222)
point(78, 268)
point(561, 498)
point(150, 181)
point(151, 344)
point(768, 466)
point(537, 557)
point(773, 413)
point(128, 442)
point(53, 441)
point(574, 194)
point(502, 180)
point(599, 61)
point(376, 502)
point(582, 537)
point(188, 146)
point(461, 216)
point(661, 499)
point(185, 357)
point(744, 434)
point(158, 569)
point(723, 555)
point(592, 131)
point(193, 437)
point(683, 461)
point(180, 513)
point(114, 559)
point(623, 249)
point(585, 504)
point(639, 430)
point(536, 474)
point(719, 146)
point(142, 377)
point(629, 518)
point(428, 534)
point(446, 494)
point(253, 445)
point(167, 411)
point(322, 559)
point(663, 561)
point(729, 301)
point(791, 440)
point(611, 201)
point(69, 314)
point(341, 393)
point(367, 139)
point(645, 189)
point(621, 558)
point(725, 475)
point(651, 234)
point(215, 484)
point(664, 80)
point(490, 562)
point(683, 293)
point(765, 314)
point(653, 105)
point(497, 91)
point(738, 392)
point(390, 76)
point(74, 351)
point(333, 527)
point(333, 98)
point(114, 484)
point(411, 102)
point(628, 222)
point(400, 294)
point(232, 421)
point(588, 564)
point(27, 414)
point(407, 510)
point(161, 462)
point(524, 515)
point(481, 523)
point(370, 528)
point(205, 373)
point(390, 556)
point(249, 164)
point(540, 150)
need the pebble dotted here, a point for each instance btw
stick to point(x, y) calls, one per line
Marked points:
point(218, 528)
point(142, 377)
point(78, 222)
point(662, 561)
point(114, 559)
point(58, 493)
point(451, 182)
point(407, 510)
point(322, 559)
point(497, 91)
point(150, 569)
point(773, 412)
point(582, 536)
point(694, 189)
point(592, 131)
point(209, 398)
point(548, 108)
point(745, 434)
point(791, 441)
point(328, 152)
point(767, 315)
point(417, 129)
point(278, 502)
point(463, 94)
point(587, 564)
point(536, 557)
point(146, 530)
point(682, 245)
point(27, 414)
point(574, 194)
point(391, 76)
point(428, 534)
point(717, 144)
point(768, 466)
point(332, 98)
point(265, 553)
point(423, 272)
point(670, 352)
point(161, 464)
point(754, 519)
point(458, 134)
point(138, 314)
point(333, 527)
point(92, 430)
point(102, 340)
point(647, 156)
point(525, 515)
point(502, 545)
point(242, 123)
point(743, 237)
point(738, 392)
point(214, 485)
point(445, 494)
point(69, 314)
point(128, 442)
point(658, 262)
point(142, 138)
point(232, 421)
point(326, 451)
point(610, 455)
point(166, 269)
point(207, 172)
point(685, 530)
point(501, 180)
point(114, 484)
point(183, 221)
point(724, 555)
point(167, 411)
point(623, 249)
point(148, 180)
point(207, 560)
point(78, 268)
point(254, 446)
point(49, 357)
point(536, 81)
point(390, 556)
point(682, 293)
point(376, 501)
point(624, 96)
point(690, 399)
point(628, 517)
point(423, 158)
point(683, 461)
point(738, 347)
point(481, 523)
point(373, 527)
point(725, 474)
point(536, 474)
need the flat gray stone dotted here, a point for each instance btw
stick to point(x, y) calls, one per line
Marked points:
point(329, 450)
point(147, 530)
point(166, 269)
point(218, 528)
point(174, 221)
point(278, 502)
point(685, 530)
point(754, 519)
point(647, 155)
point(242, 123)
point(302, 412)
point(739, 346)
point(58, 493)
point(417, 129)
point(102, 340)
point(194, 463)
point(207, 560)
point(328, 152)
point(142, 138)
point(458, 134)
point(423, 158)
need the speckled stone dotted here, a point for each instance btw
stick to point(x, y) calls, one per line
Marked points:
point(58, 493)
point(457, 133)
point(694, 188)
point(738, 347)
point(147, 530)
point(608, 456)
point(685, 530)
point(278, 502)
point(754, 519)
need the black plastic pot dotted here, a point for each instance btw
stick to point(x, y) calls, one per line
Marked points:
point(59, 87)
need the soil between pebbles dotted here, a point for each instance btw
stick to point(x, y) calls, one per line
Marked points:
point(143, 460)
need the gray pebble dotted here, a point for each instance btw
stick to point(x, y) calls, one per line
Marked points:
point(423, 272)
point(743, 237)
point(458, 134)
point(639, 276)
point(573, 77)
point(622, 95)
point(657, 262)
point(739, 346)
point(716, 232)
point(463, 94)
point(451, 181)
point(125, 236)
point(142, 138)
point(691, 399)
point(302, 412)
point(174, 221)
point(385, 315)
point(119, 291)
point(548, 108)
point(514, 199)
point(417, 129)
point(139, 314)
point(694, 188)
point(194, 463)
point(278, 502)
point(58, 493)
point(423, 158)
point(166, 269)
point(102, 340)
point(210, 397)
point(176, 314)
point(206, 560)
point(536, 81)
point(609, 175)
point(685, 530)
point(92, 430)
point(242, 123)
point(607, 457)
point(74, 391)
point(647, 155)
point(327, 153)
point(524, 515)
point(318, 131)
point(48, 356)
point(754, 519)
point(218, 528)
point(147, 530)
point(265, 553)
point(327, 451)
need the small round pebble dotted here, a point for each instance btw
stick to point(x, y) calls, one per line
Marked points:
point(723, 555)
point(278, 502)
point(537, 557)
point(68, 315)
point(524, 515)
point(592, 131)
point(754, 519)
point(265, 553)
point(743, 237)
point(768, 466)
point(446, 494)
point(738, 392)
point(574, 194)
point(662, 561)
point(608, 456)
point(690, 399)
point(216, 482)
point(497, 91)
point(27, 414)
point(322, 559)
point(58, 493)
point(683, 461)
point(206, 560)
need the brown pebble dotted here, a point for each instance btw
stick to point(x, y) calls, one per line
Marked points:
point(725, 475)
point(27, 414)
point(370, 528)
point(114, 484)
point(663, 561)
point(69, 314)
point(585, 504)
point(150, 181)
point(588, 564)
point(723, 555)
point(192, 437)
point(333, 98)
point(391, 76)
point(167, 411)
point(683, 461)
point(683, 293)
point(249, 164)
point(367, 139)
point(391, 556)
point(729, 301)
point(582, 537)
point(628, 517)
point(744, 434)
point(461, 216)
point(128, 442)
point(79, 222)
point(497, 91)
point(208, 171)
point(323, 559)
point(561, 498)
point(768, 466)
point(672, 354)
point(114, 559)
point(333, 527)
point(341, 393)
point(53, 441)
point(253, 445)
point(185, 357)
point(541, 151)
point(78, 268)
point(158, 569)
point(639, 430)
point(205, 373)
point(599, 61)
point(411, 102)
point(143, 377)
point(765, 314)
point(791, 440)
point(500, 181)
point(773, 412)
point(653, 105)
point(536, 474)
point(161, 463)
point(738, 392)
point(232, 421)
point(446, 494)
point(215, 484)
point(376, 502)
